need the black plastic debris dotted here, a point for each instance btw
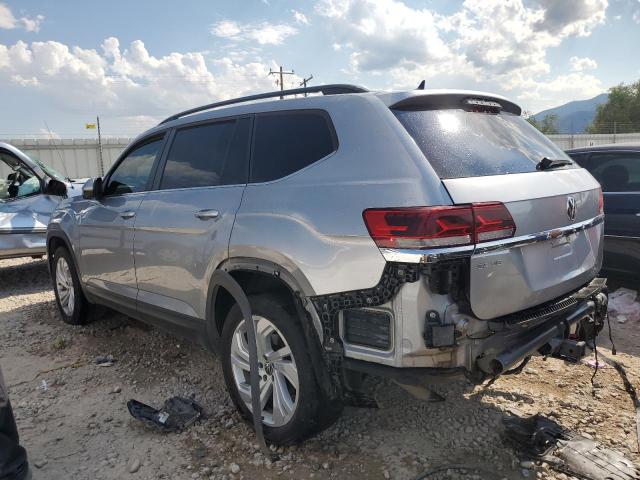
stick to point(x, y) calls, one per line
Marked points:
point(104, 360)
point(176, 414)
point(568, 451)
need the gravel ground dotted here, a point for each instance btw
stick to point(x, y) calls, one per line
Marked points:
point(73, 419)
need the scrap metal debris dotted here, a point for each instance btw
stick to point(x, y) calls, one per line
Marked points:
point(568, 451)
point(176, 414)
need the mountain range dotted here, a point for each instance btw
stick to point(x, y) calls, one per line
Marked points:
point(574, 117)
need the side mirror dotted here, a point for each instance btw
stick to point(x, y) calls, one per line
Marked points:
point(56, 187)
point(92, 188)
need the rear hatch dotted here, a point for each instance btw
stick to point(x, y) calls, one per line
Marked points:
point(484, 151)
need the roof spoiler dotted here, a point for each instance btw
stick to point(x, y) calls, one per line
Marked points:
point(466, 101)
point(333, 89)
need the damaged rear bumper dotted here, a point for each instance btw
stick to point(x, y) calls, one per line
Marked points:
point(551, 334)
point(476, 348)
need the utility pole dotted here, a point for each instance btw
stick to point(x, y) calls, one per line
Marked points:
point(281, 73)
point(304, 81)
point(100, 161)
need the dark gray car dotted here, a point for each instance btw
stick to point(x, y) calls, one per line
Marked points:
point(617, 168)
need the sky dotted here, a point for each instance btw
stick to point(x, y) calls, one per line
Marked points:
point(62, 63)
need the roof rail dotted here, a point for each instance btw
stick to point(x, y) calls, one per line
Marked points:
point(333, 89)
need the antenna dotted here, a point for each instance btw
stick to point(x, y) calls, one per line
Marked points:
point(64, 166)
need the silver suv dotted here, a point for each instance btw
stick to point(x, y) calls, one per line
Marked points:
point(413, 235)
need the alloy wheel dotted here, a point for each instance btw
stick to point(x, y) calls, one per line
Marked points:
point(279, 382)
point(64, 286)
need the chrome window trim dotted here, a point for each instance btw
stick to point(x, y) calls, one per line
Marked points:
point(434, 255)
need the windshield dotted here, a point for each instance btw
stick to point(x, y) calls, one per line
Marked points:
point(48, 170)
point(458, 143)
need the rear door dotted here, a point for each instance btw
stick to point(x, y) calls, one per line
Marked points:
point(491, 156)
point(619, 174)
point(183, 227)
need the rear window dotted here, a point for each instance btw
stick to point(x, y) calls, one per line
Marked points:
point(285, 142)
point(458, 143)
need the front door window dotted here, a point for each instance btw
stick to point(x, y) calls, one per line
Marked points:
point(16, 180)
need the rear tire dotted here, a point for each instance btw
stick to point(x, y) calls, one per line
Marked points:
point(290, 374)
point(72, 304)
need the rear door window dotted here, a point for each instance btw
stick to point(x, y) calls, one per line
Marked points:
point(285, 142)
point(208, 155)
point(616, 171)
point(459, 143)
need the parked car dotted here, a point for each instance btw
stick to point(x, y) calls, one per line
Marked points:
point(413, 235)
point(617, 168)
point(29, 191)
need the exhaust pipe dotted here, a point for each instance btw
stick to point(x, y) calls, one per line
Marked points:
point(506, 359)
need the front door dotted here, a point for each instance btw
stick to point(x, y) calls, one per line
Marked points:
point(106, 224)
point(619, 174)
point(24, 208)
point(183, 226)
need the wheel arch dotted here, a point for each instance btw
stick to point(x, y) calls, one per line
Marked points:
point(259, 276)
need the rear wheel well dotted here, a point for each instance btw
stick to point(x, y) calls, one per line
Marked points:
point(252, 283)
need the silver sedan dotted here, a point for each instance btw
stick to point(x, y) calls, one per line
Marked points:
point(29, 192)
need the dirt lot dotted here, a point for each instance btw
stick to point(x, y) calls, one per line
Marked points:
point(75, 425)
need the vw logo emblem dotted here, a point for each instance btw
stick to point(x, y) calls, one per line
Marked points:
point(571, 208)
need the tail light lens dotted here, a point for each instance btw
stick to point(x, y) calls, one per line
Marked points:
point(493, 222)
point(442, 226)
point(600, 202)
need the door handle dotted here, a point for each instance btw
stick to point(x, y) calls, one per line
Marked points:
point(207, 214)
point(128, 214)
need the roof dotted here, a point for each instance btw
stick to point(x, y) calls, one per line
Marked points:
point(610, 147)
point(434, 97)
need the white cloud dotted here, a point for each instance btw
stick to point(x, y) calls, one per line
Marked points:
point(126, 81)
point(497, 44)
point(264, 33)
point(636, 12)
point(385, 33)
point(300, 17)
point(576, 85)
point(226, 29)
point(579, 64)
point(8, 21)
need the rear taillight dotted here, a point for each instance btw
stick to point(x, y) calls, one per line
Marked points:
point(493, 222)
point(442, 226)
point(600, 202)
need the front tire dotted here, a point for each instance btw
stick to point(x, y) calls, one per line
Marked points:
point(72, 304)
point(290, 396)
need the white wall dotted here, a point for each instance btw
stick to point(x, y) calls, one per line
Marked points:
point(76, 158)
point(589, 140)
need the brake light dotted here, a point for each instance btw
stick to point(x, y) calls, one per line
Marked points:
point(493, 222)
point(600, 202)
point(441, 226)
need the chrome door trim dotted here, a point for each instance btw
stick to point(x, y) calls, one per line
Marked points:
point(434, 255)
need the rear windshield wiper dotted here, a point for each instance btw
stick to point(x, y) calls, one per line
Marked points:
point(548, 164)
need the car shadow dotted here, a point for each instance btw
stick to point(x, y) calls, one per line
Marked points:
point(23, 276)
